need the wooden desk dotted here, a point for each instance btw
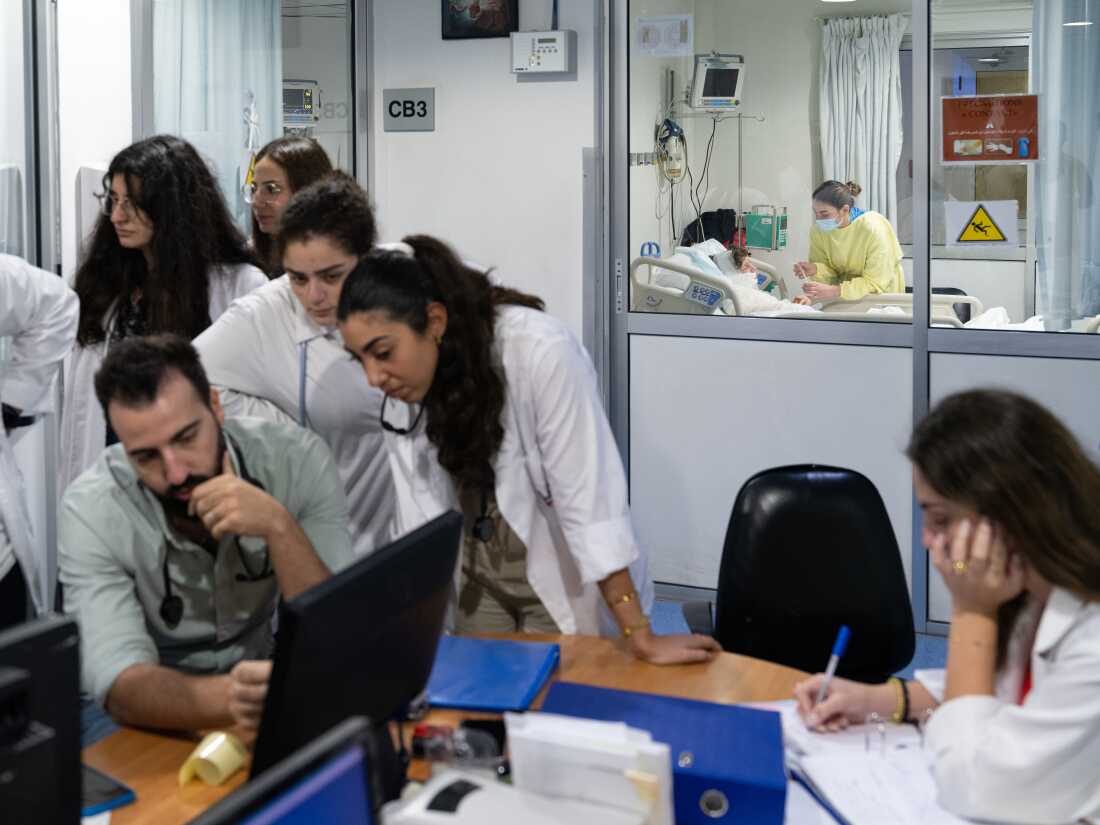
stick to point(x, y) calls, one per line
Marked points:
point(149, 762)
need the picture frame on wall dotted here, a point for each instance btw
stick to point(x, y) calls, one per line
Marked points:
point(466, 19)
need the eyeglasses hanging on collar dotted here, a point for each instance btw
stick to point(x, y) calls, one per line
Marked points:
point(390, 428)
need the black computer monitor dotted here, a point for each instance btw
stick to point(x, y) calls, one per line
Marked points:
point(40, 722)
point(328, 782)
point(360, 644)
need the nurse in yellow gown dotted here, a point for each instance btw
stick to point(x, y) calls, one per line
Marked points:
point(852, 253)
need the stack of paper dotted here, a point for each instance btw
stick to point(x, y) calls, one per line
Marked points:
point(864, 775)
point(871, 788)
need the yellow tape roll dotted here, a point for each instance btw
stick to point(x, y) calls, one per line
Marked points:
point(218, 757)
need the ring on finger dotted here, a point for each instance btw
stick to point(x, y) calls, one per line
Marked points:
point(959, 567)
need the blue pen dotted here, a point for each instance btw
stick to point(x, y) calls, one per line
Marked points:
point(838, 650)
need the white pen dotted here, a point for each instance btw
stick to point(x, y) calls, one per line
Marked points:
point(838, 651)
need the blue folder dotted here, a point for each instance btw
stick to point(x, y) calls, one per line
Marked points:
point(489, 674)
point(727, 761)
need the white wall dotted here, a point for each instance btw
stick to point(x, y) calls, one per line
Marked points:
point(94, 98)
point(13, 150)
point(318, 48)
point(706, 414)
point(500, 177)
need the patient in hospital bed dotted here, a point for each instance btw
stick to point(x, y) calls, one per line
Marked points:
point(737, 268)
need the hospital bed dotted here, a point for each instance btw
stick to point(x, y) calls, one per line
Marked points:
point(943, 308)
point(663, 285)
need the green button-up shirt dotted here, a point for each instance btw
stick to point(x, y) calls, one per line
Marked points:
point(114, 538)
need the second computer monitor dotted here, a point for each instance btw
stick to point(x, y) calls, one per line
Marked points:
point(40, 722)
point(361, 643)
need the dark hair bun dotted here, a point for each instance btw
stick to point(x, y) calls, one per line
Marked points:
point(854, 188)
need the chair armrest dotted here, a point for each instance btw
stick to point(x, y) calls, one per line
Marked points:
point(699, 617)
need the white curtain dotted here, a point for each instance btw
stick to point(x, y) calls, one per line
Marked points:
point(860, 106)
point(1066, 75)
point(211, 58)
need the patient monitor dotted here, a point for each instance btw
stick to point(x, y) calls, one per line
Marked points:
point(716, 84)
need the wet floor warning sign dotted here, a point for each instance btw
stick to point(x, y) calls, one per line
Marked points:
point(971, 223)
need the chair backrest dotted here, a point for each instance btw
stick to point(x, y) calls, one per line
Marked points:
point(961, 310)
point(809, 548)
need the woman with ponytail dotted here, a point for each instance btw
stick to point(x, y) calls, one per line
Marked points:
point(491, 407)
point(852, 252)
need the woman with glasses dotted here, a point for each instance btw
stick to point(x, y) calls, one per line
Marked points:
point(1008, 498)
point(164, 256)
point(277, 353)
point(283, 166)
point(492, 408)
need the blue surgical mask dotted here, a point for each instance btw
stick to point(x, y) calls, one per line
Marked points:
point(827, 224)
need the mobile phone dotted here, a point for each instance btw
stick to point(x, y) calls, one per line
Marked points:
point(101, 792)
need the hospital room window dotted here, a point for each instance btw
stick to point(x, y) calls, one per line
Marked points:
point(1014, 225)
point(726, 148)
point(230, 77)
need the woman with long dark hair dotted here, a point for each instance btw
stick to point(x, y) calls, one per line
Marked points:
point(283, 167)
point(1009, 502)
point(164, 256)
point(277, 354)
point(492, 407)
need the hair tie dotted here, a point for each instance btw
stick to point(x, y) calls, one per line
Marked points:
point(397, 246)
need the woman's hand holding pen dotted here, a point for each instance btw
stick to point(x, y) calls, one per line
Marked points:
point(846, 702)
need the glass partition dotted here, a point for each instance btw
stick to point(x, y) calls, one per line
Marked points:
point(229, 77)
point(1015, 226)
point(738, 111)
point(15, 222)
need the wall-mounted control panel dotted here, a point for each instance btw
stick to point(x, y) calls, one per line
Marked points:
point(544, 52)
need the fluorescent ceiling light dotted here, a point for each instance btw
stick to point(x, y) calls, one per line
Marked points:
point(989, 60)
point(1084, 19)
point(838, 1)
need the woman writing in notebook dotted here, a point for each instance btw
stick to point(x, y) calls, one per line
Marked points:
point(491, 407)
point(1010, 516)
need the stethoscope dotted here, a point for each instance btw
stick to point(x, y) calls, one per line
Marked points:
point(303, 362)
point(483, 527)
point(171, 608)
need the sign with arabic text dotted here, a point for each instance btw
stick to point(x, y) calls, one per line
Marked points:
point(991, 129)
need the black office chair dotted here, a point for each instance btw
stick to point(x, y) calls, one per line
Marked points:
point(961, 310)
point(809, 548)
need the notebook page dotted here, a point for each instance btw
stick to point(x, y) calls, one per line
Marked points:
point(870, 789)
point(855, 739)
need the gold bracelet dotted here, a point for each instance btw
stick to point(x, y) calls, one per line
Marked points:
point(626, 598)
point(630, 630)
point(898, 716)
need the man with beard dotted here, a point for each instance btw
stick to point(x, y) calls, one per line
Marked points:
point(176, 544)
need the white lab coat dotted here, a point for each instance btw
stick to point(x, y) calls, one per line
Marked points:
point(41, 313)
point(252, 354)
point(560, 483)
point(1038, 762)
point(83, 427)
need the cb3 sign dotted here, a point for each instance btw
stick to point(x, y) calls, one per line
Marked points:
point(408, 110)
